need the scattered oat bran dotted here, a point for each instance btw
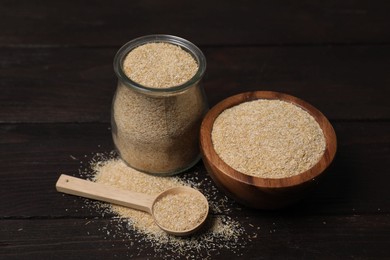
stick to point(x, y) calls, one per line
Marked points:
point(268, 138)
point(116, 173)
point(219, 233)
point(159, 65)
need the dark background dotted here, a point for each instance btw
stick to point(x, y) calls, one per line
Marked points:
point(57, 82)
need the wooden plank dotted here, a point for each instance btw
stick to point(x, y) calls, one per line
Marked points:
point(45, 85)
point(340, 81)
point(97, 23)
point(56, 86)
point(77, 85)
point(34, 155)
point(364, 236)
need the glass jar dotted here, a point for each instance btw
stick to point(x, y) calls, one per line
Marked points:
point(156, 130)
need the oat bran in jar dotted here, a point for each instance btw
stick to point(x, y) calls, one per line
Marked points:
point(159, 104)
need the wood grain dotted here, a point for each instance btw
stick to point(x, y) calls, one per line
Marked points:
point(77, 85)
point(279, 236)
point(97, 23)
point(97, 191)
point(349, 205)
point(34, 155)
point(57, 82)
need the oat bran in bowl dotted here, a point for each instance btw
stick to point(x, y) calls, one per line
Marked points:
point(266, 149)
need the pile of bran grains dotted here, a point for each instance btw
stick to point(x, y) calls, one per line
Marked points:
point(268, 138)
point(180, 211)
point(138, 230)
point(159, 65)
point(157, 135)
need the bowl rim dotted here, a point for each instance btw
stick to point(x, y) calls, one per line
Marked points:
point(311, 174)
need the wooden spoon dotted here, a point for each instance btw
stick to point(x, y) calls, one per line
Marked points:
point(88, 189)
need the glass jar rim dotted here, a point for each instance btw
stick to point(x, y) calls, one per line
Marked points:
point(188, 46)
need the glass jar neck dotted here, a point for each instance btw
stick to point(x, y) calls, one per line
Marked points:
point(187, 46)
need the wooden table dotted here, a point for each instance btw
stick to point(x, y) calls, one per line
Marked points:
point(57, 83)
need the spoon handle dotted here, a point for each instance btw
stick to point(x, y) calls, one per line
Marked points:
point(92, 190)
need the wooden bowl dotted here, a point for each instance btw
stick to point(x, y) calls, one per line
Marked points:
point(257, 192)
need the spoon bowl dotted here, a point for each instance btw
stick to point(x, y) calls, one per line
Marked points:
point(201, 214)
point(139, 201)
